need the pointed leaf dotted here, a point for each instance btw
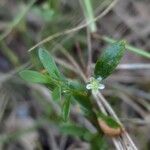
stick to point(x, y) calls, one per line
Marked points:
point(109, 60)
point(66, 108)
point(48, 63)
point(33, 76)
point(56, 94)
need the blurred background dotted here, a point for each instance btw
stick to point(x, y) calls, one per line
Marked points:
point(28, 116)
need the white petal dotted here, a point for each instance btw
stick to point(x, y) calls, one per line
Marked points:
point(99, 78)
point(88, 86)
point(101, 86)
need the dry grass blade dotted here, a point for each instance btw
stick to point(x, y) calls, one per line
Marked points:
point(125, 136)
point(52, 37)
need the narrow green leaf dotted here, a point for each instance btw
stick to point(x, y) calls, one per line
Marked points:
point(66, 108)
point(33, 76)
point(109, 60)
point(48, 63)
point(56, 94)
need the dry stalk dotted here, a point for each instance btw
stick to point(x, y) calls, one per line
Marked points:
point(125, 136)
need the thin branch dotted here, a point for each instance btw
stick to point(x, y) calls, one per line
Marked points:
point(136, 121)
point(100, 105)
point(72, 60)
point(134, 66)
point(79, 52)
point(66, 65)
point(126, 138)
point(127, 100)
point(89, 43)
point(117, 142)
point(9, 75)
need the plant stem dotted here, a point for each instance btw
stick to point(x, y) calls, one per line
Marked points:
point(125, 136)
point(88, 12)
point(89, 43)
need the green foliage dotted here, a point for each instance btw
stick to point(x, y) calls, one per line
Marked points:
point(48, 63)
point(74, 90)
point(66, 108)
point(61, 86)
point(109, 60)
point(96, 140)
point(53, 4)
point(56, 94)
point(77, 131)
point(33, 76)
point(98, 143)
point(83, 100)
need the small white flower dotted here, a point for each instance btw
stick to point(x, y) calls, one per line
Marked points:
point(94, 84)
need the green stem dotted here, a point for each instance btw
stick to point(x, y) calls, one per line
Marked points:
point(88, 12)
point(129, 47)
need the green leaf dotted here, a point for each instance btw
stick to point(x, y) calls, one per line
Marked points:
point(83, 100)
point(66, 108)
point(99, 143)
point(33, 76)
point(109, 60)
point(56, 94)
point(48, 63)
point(77, 131)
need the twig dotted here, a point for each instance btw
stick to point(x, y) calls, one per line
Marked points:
point(126, 138)
point(136, 121)
point(7, 76)
point(80, 54)
point(100, 105)
point(131, 103)
point(117, 142)
point(66, 65)
point(89, 43)
point(134, 66)
point(72, 60)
